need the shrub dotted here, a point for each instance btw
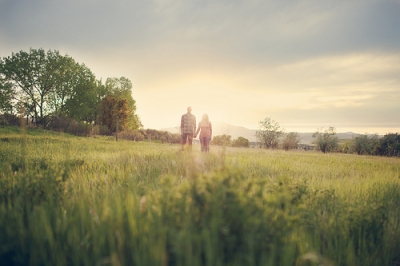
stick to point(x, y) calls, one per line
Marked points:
point(221, 140)
point(291, 141)
point(134, 135)
point(69, 125)
point(389, 145)
point(326, 141)
point(9, 120)
point(60, 123)
point(175, 138)
point(241, 142)
point(364, 144)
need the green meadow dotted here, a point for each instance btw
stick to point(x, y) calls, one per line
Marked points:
point(67, 200)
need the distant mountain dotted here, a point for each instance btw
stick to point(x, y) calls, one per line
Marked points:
point(235, 131)
point(221, 128)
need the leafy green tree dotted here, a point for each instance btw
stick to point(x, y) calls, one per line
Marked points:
point(48, 83)
point(113, 109)
point(221, 140)
point(7, 97)
point(32, 75)
point(85, 99)
point(326, 141)
point(66, 79)
point(100, 93)
point(291, 141)
point(364, 144)
point(269, 133)
point(121, 88)
point(346, 146)
point(389, 145)
point(62, 81)
point(241, 142)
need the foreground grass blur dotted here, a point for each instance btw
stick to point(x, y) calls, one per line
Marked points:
point(92, 201)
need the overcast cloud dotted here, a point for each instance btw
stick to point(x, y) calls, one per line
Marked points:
point(306, 64)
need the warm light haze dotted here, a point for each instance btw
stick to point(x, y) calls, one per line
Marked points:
point(306, 64)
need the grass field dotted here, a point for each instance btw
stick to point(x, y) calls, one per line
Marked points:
point(68, 200)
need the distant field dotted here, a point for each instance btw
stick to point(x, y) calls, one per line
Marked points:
point(68, 200)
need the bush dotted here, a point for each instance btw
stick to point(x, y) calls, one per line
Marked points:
point(9, 120)
point(327, 141)
point(363, 145)
point(389, 145)
point(60, 123)
point(291, 141)
point(159, 136)
point(175, 138)
point(241, 142)
point(221, 140)
point(134, 135)
point(70, 125)
point(79, 129)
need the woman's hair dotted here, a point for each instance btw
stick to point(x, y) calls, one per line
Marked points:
point(205, 118)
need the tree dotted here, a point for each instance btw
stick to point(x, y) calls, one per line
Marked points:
point(364, 144)
point(221, 140)
point(389, 145)
point(65, 70)
point(241, 142)
point(326, 141)
point(121, 88)
point(32, 75)
point(85, 98)
point(100, 93)
point(7, 97)
point(291, 141)
point(47, 83)
point(269, 133)
point(112, 109)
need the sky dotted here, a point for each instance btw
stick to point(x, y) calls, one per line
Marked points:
point(308, 65)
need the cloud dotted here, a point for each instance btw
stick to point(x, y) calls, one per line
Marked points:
point(296, 61)
point(333, 74)
point(249, 29)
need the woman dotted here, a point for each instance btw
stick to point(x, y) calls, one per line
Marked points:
point(205, 129)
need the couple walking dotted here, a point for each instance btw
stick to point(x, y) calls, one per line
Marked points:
point(188, 130)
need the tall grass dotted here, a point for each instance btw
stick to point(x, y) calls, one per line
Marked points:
point(92, 201)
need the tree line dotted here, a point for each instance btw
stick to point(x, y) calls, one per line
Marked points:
point(271, 135)
point(51, 90)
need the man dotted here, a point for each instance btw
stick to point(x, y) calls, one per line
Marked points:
point(188, 127)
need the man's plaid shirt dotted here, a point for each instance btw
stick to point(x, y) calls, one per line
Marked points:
point(188, 123)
